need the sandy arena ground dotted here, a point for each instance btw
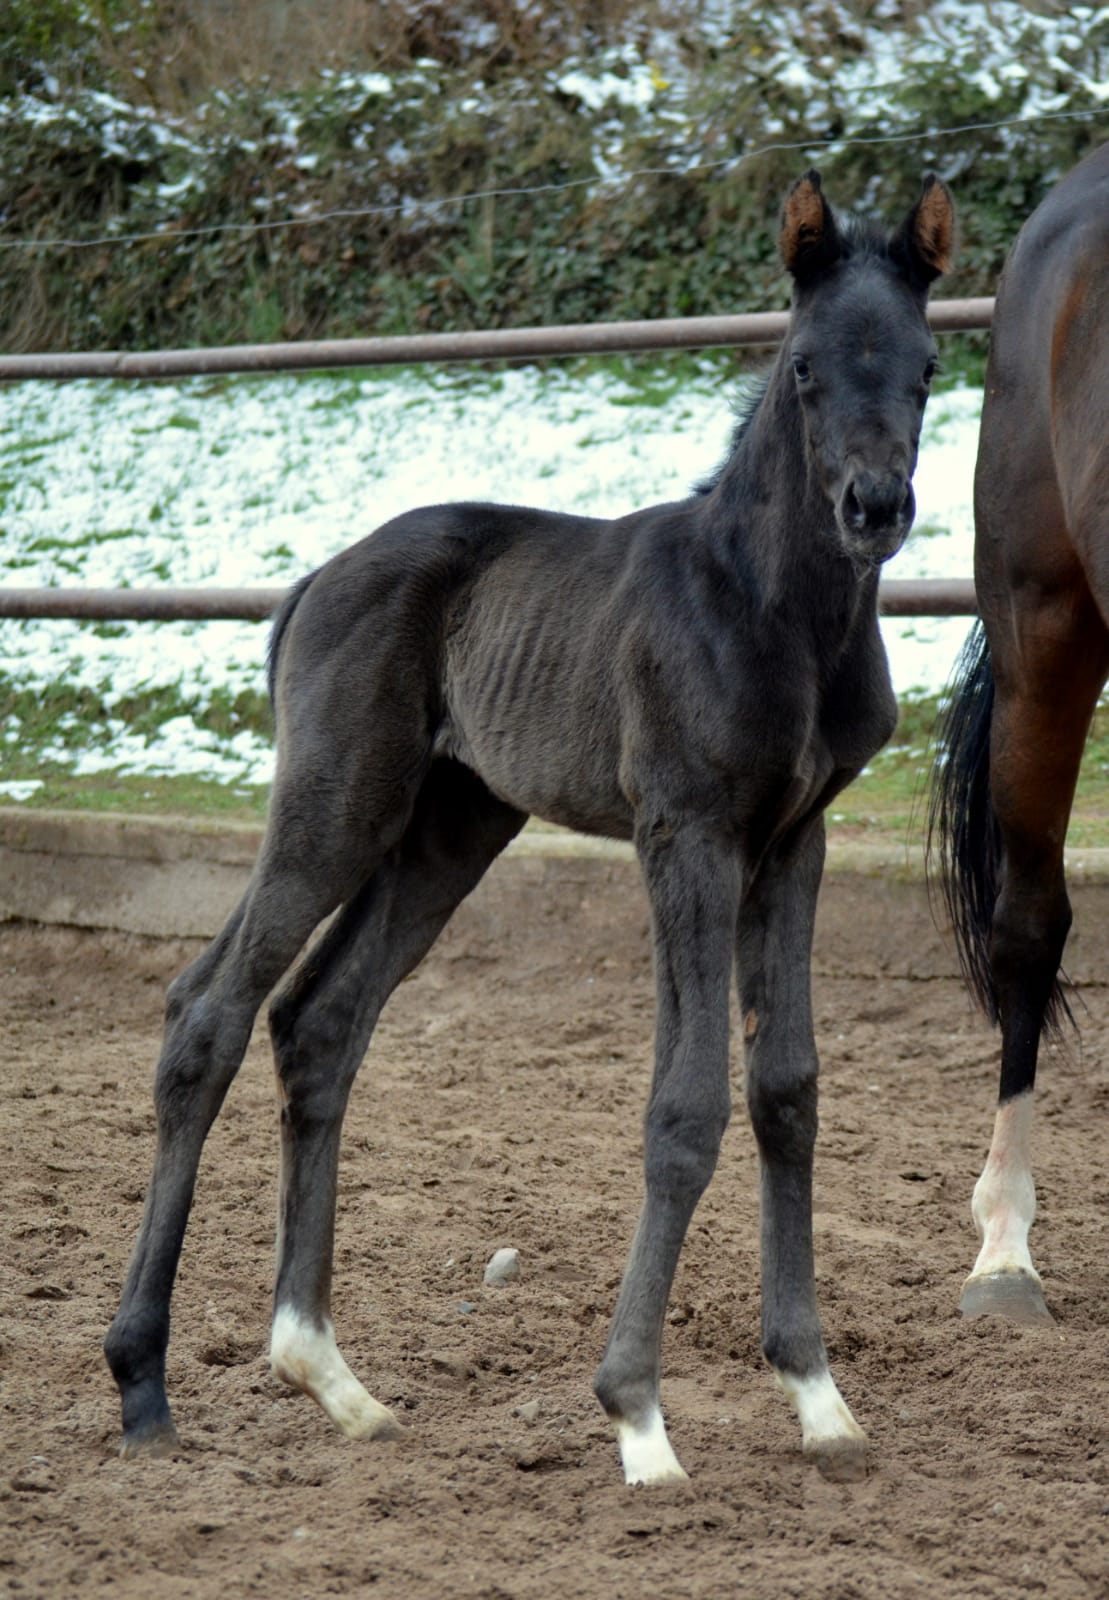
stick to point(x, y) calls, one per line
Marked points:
point(501, 1105)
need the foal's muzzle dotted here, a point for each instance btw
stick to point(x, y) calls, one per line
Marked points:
point(875, 514)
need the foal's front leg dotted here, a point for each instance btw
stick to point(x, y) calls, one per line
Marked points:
point(693, 884)
point(773, 960)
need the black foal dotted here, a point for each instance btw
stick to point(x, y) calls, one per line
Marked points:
point(700, 677)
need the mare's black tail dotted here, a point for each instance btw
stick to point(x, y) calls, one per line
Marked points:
point(964, 848)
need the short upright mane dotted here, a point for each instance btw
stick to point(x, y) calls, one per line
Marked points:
point(747, 404)
point(862, 236)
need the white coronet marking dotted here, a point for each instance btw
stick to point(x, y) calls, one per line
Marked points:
point(1004, 1201)
point(307, 1358)
point(646, 1452)
point(826, 1421)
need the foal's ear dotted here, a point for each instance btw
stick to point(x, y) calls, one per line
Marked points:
point(810, 238)
point(924, 244)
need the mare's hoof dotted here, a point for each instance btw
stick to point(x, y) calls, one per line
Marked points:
point(160, 1439)
point(1016, 1295)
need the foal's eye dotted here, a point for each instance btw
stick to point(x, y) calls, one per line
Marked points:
point(801, 368)
point(930, 370)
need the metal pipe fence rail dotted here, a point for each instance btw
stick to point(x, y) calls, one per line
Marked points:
point(897, 597)
point(498, 344)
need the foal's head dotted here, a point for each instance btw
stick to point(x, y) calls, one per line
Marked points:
point(862, 354)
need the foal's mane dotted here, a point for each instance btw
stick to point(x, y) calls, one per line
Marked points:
point(746, 404)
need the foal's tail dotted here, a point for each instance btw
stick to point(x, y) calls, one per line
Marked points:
point(281, 622)
point(964, 845)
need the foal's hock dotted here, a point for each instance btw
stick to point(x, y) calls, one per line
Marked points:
point(700, 677)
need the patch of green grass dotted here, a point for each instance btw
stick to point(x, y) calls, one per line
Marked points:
point(42, 723)
point(886, 804)
point(39, 717)
point(185, 796)
point(889, 800)
point(338, 391)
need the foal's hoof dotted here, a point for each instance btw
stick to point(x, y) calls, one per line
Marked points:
point(842, 1460)
point(646, 1454)
point(158, 1439)
point(370, 1421)
point(1015, 1295)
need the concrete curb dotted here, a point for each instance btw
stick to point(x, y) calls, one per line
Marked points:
point(179, 877)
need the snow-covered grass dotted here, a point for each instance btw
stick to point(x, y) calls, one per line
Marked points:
point(255, 481)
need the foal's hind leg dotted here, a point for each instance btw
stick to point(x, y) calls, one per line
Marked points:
point(773, 961)
point(1042, 713)
point(321, 1026)
point(693, 883)
point(210, 1010)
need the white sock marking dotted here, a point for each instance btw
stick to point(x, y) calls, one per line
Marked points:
point(646, 1452)
point(307, 1358)
point(1004, 1202)
point(822, 1411)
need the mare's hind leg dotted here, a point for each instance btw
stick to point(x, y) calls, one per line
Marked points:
point(1044, 701)
point(693, 883)
point(773, 973)
point(321, 1025)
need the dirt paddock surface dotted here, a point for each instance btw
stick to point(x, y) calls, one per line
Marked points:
point(501, 1105)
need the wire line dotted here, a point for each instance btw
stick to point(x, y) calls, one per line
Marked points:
point(169, 234)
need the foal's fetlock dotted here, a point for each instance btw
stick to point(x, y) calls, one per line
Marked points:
point(646, 1454)
point(134, 1348)
point(148, 1427)
point(304, 1355)
point(830, 1436)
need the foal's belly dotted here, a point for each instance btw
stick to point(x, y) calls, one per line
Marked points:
point(561, 774)
point(567, 738)
point(544, 742)
point(566, 769)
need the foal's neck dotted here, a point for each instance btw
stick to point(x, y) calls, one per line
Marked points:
point(775, 525)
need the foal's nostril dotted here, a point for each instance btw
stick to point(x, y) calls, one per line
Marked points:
point(870, 503)
point(854, 514)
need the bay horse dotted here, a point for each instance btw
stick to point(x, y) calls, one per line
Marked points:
point(1028, 682)
point(701, 677)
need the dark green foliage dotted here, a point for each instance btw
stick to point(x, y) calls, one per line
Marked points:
point(684, 222)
